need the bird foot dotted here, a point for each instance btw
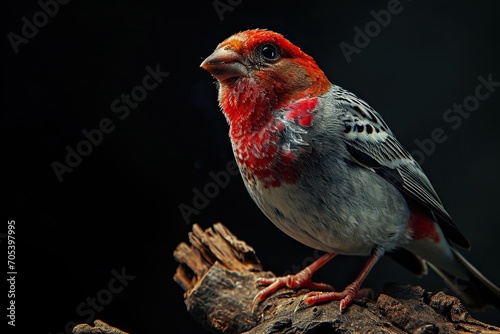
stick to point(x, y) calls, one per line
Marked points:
point(300, 280)
point(351, 292)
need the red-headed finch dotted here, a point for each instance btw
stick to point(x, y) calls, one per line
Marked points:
point(326, 169)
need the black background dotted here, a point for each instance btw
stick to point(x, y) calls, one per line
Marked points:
point(119, 207)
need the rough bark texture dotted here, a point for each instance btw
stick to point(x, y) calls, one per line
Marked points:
point(99, 328)
point(218, 273)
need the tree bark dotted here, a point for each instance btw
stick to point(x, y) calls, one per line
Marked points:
point(218, 273)
point(100, 328)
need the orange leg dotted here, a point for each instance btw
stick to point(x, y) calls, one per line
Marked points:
point(350, 292)
point(302, 279)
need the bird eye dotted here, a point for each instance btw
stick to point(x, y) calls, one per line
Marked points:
point(269, 52)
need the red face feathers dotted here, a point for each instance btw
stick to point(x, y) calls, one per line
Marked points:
point(260, 71)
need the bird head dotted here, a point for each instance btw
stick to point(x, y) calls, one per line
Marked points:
point(260, 71)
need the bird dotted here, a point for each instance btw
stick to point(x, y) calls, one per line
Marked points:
point(325, 168)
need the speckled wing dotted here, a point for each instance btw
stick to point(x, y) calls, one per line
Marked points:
point(373, 145)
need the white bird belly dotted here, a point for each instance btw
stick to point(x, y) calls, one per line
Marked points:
point(345, 217)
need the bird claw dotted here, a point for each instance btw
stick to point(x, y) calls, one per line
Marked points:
point(255, 301)
point(315, 297)
point(306, 300)
point(299, 305)
point(296, 281)
point(345, 297)
point(273, 284)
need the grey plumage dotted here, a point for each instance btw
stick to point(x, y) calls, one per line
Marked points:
point(355, 193)
point(326, 169)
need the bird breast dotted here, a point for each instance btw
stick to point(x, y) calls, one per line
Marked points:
point(312, 193)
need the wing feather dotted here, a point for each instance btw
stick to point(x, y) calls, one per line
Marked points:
point(372, 145)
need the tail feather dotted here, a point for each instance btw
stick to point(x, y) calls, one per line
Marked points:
point(477, 293)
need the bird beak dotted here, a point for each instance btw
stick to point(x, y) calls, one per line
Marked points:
point(225, 64)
